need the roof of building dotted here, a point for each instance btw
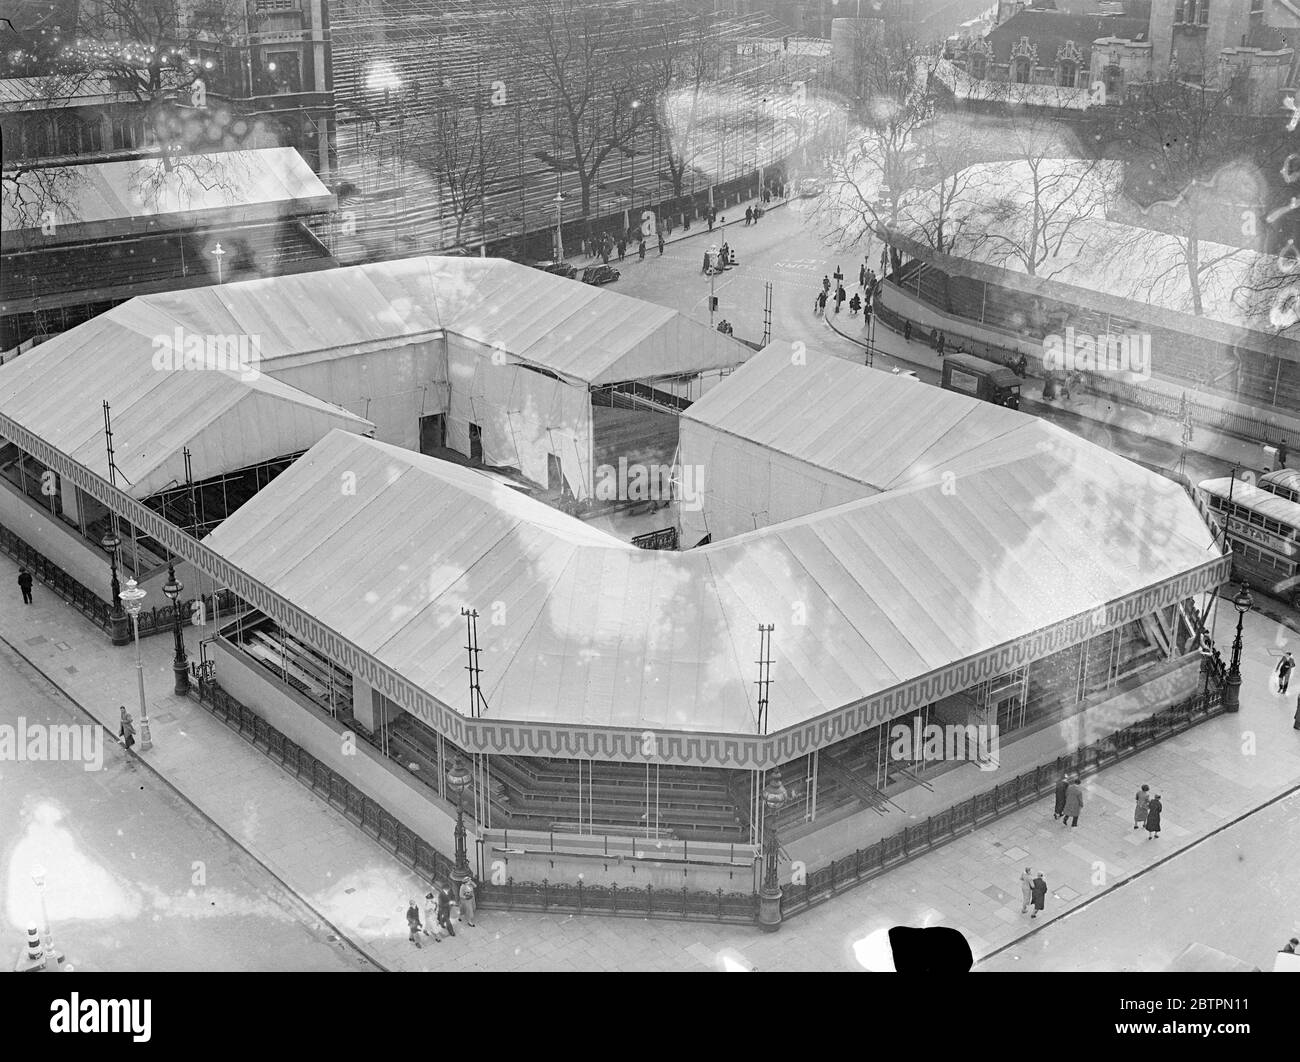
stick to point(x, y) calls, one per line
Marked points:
point(57, 91)
point(903, 585)
point(831, 413)
point(581, 333)
point(98, 200)
point(229, 419)
point(1049, 30)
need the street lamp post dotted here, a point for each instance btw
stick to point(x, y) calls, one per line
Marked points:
point(713, 272)
point(132, 596)
point(459, 778)
point(217, 252)
point(110, 544)
point(1243, 603)
point(769, 896)
point(560, 197)
point(180, 666)
point(38, 879)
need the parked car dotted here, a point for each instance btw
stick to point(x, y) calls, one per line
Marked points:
point(560, 269)
point(599, 274)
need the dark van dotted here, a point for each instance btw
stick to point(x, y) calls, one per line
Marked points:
point(981, 379)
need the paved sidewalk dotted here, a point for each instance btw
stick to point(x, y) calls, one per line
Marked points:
point(1208, 777)
point(728, 218)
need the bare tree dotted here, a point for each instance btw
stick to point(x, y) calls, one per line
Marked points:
point(682, 61)
point(881, 162)
point(1180, 134)
point(1041, 205)
point(465, 147)
point(160, 52)
point(593, 63)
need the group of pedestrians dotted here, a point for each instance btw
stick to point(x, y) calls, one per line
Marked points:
point(1033, 892)
point(437, 912)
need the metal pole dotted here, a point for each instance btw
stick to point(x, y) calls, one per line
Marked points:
point(146, 742)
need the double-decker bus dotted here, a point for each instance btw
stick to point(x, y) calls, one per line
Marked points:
point(1263, 529)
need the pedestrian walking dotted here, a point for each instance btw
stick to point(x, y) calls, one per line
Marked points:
point(431, 916)
point(640, 251)
point(467, 907)
point(604, 255)
point(1140, 808)
point(907, 331)
point(855, 304)
point(25, 585)
point(862, 275)
point(1073, 804)
point(413, 924)
point(1038, 893)
point(826, 283)
point(1153, 817)
point(1296, 721)
point(126, 729)
point(839, 297)
point(444, 910)
point(941, 343)
point(821, 303)
point(1026, 889)
point(1062, 787)
point(749, 216)
point(661, 245)
point(622, 249)
point(710, 222)
point(1284, 666)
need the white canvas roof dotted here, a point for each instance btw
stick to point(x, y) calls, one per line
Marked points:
point(57, 389)
point(102, 199)
point(880, 430)
point(594, 631)
point(583, 334)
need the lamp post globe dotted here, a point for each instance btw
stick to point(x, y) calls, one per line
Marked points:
point(132, 598)
point(459, 778)
point(1243, 603)
point(774, 798)
point(180, 665)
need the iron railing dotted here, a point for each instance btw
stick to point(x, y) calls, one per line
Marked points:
point(158, 620)
point(889, 852)
point(662, 539)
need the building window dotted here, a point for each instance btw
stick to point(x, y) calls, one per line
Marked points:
point(283, 72)
point(978, 66)
point(1203, 14)
point(1114, 83)
point(126, 134)
point(1021, 70)
point(1068, 74)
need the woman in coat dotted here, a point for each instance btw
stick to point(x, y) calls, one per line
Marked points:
point(1153, 818)
point(1073, 804)
point(467, 902)
point(1039, 893)
point(1026, 890)
point(444, 911)
point(1140, 808)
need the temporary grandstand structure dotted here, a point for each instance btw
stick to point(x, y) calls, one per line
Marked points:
point(190, 428)
point(79, 239)
point(503, 357)
point(908, 587)
point(792, 436)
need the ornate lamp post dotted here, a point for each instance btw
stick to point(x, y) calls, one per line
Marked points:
point(217, 252)
point(110, 544)
point(459, 778)
point(180, 666)
point(132, 596)
point(558, 199)
point(714, 254)
point(1243, 603)
point(769, 896)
